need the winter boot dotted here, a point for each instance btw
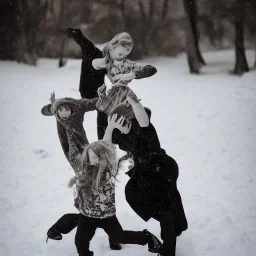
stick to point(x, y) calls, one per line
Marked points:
point(53, 233)
point(114, 246)
point(154, 245)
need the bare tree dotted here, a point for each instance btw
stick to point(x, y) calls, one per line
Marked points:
point(59, 10)
point(152, 21)
point(193, 53)
point(241, 64)
point(28, 16)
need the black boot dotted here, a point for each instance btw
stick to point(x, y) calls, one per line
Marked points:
point(114, 246)
point(154, 245)
point(53, 233)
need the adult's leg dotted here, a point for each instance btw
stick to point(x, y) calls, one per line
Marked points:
point(113, 228)
point(85, 231)
point(168, 233)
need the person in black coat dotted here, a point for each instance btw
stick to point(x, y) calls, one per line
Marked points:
point(90, 78)
point(151, 191)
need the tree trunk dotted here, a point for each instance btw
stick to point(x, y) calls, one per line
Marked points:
point(241, 64)
point(255, 61)
point(8, 30)
point(193, 20)
point(191, 42)
point(62, 61)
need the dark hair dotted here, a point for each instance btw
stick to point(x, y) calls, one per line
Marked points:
point(63, 106)
point(125, 110)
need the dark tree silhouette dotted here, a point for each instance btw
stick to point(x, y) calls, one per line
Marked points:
point(241, 64)
point(21, 35)
point(195, 59)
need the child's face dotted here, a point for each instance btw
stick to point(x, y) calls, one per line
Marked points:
point(93, 158)
point(64, 112)
point(119, 52)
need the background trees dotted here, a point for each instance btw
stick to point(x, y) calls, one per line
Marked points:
point(31, 29)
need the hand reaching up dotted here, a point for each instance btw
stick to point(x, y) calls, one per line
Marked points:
point(52, 98)
point(119, 124)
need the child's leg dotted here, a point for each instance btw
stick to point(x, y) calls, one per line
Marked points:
point(67, 223)
point(113, 228)
point(85, 231)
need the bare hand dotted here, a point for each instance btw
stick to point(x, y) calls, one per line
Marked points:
point(121, 78)
point(52, 98)
point(112, 121)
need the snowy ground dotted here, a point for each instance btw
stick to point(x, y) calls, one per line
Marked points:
point(207, 123)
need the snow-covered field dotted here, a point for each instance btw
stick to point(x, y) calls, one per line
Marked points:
point(207, 123)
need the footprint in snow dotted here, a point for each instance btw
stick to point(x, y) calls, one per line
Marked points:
point(42, 153)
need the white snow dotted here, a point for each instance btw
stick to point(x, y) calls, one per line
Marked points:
point(207, 123)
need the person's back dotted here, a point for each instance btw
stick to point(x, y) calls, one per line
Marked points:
point(96, 203)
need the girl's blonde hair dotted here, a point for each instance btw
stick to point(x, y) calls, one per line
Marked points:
point(123, 39)
point(92, 177)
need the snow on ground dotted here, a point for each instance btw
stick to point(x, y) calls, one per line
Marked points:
point(207, 123)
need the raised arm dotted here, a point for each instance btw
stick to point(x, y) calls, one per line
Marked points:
point(75, 150)
point(142, 70)
point(139, 111)
point(135, 71)
point(86, 45)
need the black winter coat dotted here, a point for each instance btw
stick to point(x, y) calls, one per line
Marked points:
point(153, 182)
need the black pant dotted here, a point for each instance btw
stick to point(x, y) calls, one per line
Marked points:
point(167, 223)
point(68, 222)
point(168, 233)
point(102, 123)
point(87, 226)
point(102, 118)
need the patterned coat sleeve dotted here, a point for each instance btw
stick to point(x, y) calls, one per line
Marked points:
point(142, 70)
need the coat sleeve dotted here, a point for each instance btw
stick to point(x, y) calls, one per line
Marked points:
point(75, 150)
point(89, 104)
point(142, 70)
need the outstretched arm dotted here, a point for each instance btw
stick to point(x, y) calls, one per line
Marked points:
point(143, 71)
point(89, 104)
point(75, 150)
point(86, 45)
point(135, 71)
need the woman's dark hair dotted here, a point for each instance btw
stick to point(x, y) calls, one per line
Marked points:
point(125, 110)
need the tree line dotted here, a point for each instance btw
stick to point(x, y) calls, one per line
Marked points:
point(34, 28)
